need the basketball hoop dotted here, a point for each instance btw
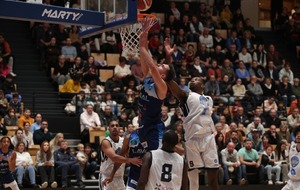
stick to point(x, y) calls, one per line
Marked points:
point(130, 34)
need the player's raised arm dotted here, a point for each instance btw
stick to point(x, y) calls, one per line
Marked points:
point(169, 51)
point(176, 91)
point(144, 44)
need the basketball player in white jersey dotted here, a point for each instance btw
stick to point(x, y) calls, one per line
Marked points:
point(294, 160)
point(163, 168)
point(110, 148)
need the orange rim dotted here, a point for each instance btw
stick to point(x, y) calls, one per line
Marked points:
point(140, 16)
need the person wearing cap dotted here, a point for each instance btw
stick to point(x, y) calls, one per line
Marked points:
point(256, 124)
point(250, 161)
point(256, 140)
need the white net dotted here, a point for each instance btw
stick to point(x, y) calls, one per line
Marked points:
point(130, 35)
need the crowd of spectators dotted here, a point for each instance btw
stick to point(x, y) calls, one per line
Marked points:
point(255, 92)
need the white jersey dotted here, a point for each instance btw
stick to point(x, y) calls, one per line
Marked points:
point(165, 171)
point(294, 157)
point(107, 164)
point(197, 115)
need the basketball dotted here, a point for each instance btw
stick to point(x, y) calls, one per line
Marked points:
point(144, 5)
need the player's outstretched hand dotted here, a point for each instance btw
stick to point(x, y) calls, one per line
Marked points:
point(106, 181)
point(136, 161)
point(168, 49)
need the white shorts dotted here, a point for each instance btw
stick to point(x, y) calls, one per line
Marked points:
point(201, 152)
point(13, 185)
point(292, 185)
point(116, 184)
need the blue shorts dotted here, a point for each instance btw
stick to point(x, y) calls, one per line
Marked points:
point(152, 134)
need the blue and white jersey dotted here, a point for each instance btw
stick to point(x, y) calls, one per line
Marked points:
point(149, 103)
point(5, 173)
point(197, 115)
point(294, 157)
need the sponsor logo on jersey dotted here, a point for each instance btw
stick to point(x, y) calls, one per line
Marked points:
point(63, 15)
point(162, 187)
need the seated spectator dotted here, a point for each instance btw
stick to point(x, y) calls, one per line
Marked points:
point(37, 123)
point(257, 142)
point(60, 71)
point(10, 119)
point(106, 116)
point(281, 111)
point(115, 86)
point(45, 166)
point(71, 86)
point(281, 159)
point(233, 127)
point(268, 161)
point(274, 56)
point(206, 38)
point(19, 137)
point(250, 162)
point(239, 89)
point(226, 90)
point(272, 119)
point(284, 133)
point(256, 124)
point(27, 134)
point(197, 70)
point(271, 72)
point(122, 69)
point(265, 141)
point(260, 56)
point(65, 163)
point(55, 142)
point(196, 28)
point(7, 54)
point(16, 104)
point(286, 71)
point(89, 120)
point(269, 104)
point(79, 101)
point(269, 88)
point(241, 117)
point(24, 165)
point(274, 136)
point(212, 88)
point(285, 91)
point(257, 71)
point(247, 41)
point(112, 103)
point(91, 164)
point(42, 134)
point(231, 164)
point(234, 139)
point(3, 104)
point(69, 51)
point(3, 129)
point(94, 86)
point(75, 37)
point(82, 158)
point(242, 73)
point(77, 68)
point(219, 138)
point(154, 42)
point(255, 91)
point(109, 42)
point(245, 57)
point(130, 103)
point(294, 104)
point(225, 18)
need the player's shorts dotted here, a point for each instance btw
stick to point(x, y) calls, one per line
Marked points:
point(12, 185)
point(201, 152)
point(292, 185)
point(116, 184)
point(152, 134)
point(131, 183)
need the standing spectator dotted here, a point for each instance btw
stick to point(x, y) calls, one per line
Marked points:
point(231, 164)
point(88, 120)
point(268, 161)
point(10, 119)
point(24, 165)
point(43, 134)
point(276, 9)
point(37, 124)
point(45, 166)
point(274, 55)
point(66, 163)
point(6, 52)
point(250, 162)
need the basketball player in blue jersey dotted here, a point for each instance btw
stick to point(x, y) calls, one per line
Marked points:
point(294, 160)
point(134, 148)
point(7, 164)
point(152, 94)
point(164, 168)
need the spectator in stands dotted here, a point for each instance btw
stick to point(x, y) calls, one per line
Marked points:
point(122, 69)
point(250, 162)
point(231, 164)
point(212, 88)
point(256, 124)
point(94, 100)
point(82, 158)
point(183, 71)
point(106, 116)
point(197, 70)
point(61, 35)
point(55, 142)
point(295, 104)
point(293, 120)
point(247, 41)
point(284, 133)
point(225, 18)
point(37, 123)
point(16, 104)
point(109, 42)
point(242, 73)
point(112, 103)
point(233, 39)
point(271, 72)
point(183, 85)
point(214, 70)
point(76, 68)
point(6, 53)
point(274, 55)
point(114, 85)
point(203, 55)
point(60, 71)
point(272, 119)
point(274, 136)
point(233, 127)
point(257, 71)
point(129, 103)
point(268, 161)
point(269, 88)
point(154, 43)
point(296, 87)
point(90, 71)
point(25, 118)
point(91, 164)
point(52, 52)
point(89, 120)
point(181, 38)
point(159, 53)
point(65, 163)
point(24, 165)
point(196, 28)
point(285, 91)
point(4, 70)
point(10, 87)
point(207, 39)
point(260, 55)
point(75, 38)
point(3, 104)
point(43, 37)
point(257, 142)
point(42, 134)
point(281, 159)
point(124, 121)
point(10, 119)
point(45, 166)
point(286, 71)
point(245, 57)
point(233, 56)
point(27, 134)
point(269, 104)
point(218, 55)
point(234, 139)
point(72, 85)
point(219, 40)
point(226, 90)
point(255, 90)
point(241, 117)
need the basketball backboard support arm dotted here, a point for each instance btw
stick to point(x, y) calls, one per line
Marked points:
point(53, 14)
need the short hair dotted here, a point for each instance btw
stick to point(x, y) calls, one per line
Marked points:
point(296, 130)
point(170, 137)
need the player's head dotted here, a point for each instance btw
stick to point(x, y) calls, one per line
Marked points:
point(5, 142)
point(167, 72)
point(114, 128)
point(170, 139)
point(297, 134)
point(196, 85)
